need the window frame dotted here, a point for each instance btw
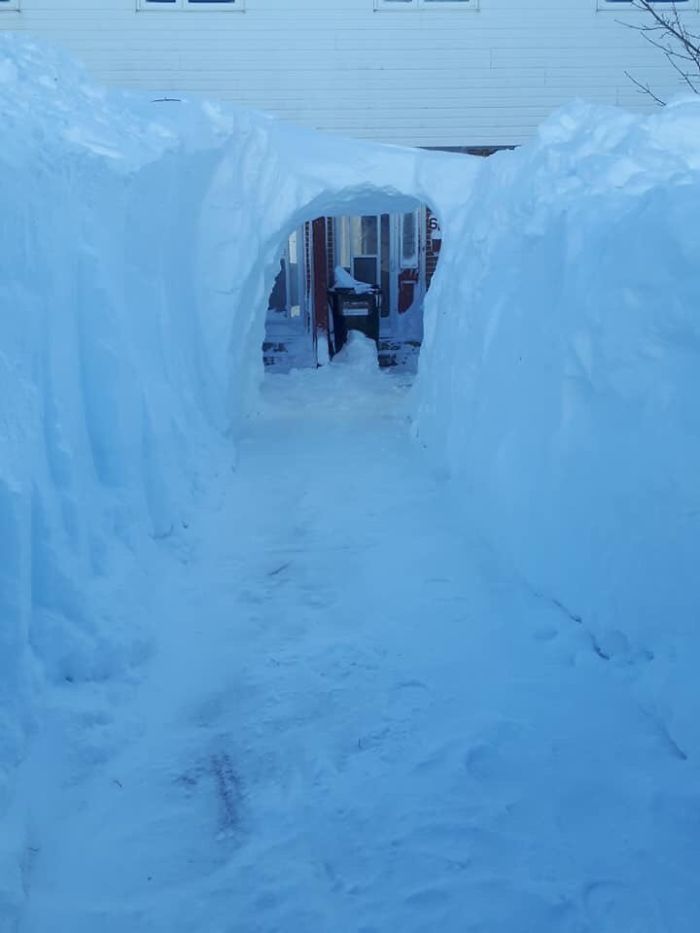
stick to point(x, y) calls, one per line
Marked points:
point(186, 6)
point(10, 6)
point(415, 6)
point(627, 6)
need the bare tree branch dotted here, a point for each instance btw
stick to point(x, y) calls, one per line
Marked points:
point(670, 24)
point(645, 89)
point(666, 31)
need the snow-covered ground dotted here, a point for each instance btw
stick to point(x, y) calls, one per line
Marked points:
point(355, 721)
point(344, 655)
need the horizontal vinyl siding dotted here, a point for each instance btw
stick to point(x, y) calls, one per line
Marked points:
point(428, 78)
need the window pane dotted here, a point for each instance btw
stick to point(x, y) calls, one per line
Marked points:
point(293, 275)
point(356, 236)
point(366, 236)
point(370, 236)
point(342, 249)
point(294, 247)
point(385, 276)
point(409, 237)
point(278, 297)
point(364, 269)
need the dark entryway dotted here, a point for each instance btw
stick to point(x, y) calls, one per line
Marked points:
point(367, 273)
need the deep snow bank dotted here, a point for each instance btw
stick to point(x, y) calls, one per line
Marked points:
point(138, 243)
point(101, 378)
point(562, 374)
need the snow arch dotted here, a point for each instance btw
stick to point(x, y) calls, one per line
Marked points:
point(270, 180)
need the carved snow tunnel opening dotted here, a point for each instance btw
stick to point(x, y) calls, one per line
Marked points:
point(252, 241)
point(365, 271)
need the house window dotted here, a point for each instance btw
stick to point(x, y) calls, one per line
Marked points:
point(426, 4)
point(621, 4)
point(237, 5)
point(6, 5)
point(287, 297)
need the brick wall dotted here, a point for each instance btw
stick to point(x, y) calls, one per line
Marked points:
point(433, 243)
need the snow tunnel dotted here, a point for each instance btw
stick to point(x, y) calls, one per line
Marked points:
point(288, 219)
point(352, 273)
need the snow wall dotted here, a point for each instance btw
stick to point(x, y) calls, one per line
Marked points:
point(139, 240)
point(102, 385)
point(560, 382)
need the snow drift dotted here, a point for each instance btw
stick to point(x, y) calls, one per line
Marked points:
point(138, 243)
point(561, 378)
point(139, 240)
point(99, 378)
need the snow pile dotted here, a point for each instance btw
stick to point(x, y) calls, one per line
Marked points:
point(343, 279)
point(352, 388)
point(100, 379)
point(139, 241)
point(560, 380)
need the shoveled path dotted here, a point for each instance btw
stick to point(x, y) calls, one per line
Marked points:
point(355, 720)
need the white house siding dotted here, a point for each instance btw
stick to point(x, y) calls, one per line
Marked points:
point(424, 78)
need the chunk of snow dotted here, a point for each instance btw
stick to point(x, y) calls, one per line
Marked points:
point(343, 279)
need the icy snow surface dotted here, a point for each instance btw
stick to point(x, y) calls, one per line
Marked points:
point(343, 655)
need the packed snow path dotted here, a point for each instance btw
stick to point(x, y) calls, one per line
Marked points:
point(354, 721)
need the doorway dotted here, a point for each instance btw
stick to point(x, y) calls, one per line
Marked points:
point(367, 273)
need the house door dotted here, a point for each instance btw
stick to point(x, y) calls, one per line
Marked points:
point(409, 248)
point(403, 273)
point(388, 251)
point(359, 251)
